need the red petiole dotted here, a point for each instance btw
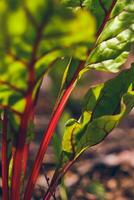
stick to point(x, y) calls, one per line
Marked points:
point(5, 187)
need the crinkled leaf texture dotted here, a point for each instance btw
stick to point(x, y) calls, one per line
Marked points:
point(105, 105)
point(113, 45)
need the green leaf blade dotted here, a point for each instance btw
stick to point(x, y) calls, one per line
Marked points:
point(105, 105)
point(113, 45)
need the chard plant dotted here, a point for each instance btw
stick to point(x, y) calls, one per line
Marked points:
point(37, 36)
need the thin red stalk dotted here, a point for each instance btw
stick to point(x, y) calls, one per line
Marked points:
point(56, 177)
point(19, 153)
point(106, 18)
point(27, 114)
point(55, 182)
point(18, 158)
point(48, 135)
point(45, 141)
point(47, 180)
point(26, 146)
point(25, 158)
point(53, 123)
point(5, 189)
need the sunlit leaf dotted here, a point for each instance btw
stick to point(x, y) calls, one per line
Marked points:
point(113, 45)
point(36, 34)
point(105, 105)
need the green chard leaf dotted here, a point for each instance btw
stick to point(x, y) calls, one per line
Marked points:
point(113, 45)
point(37, 33)
point(98, 8)
point(28, 24)
point(104, 107)
point(56, 26)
